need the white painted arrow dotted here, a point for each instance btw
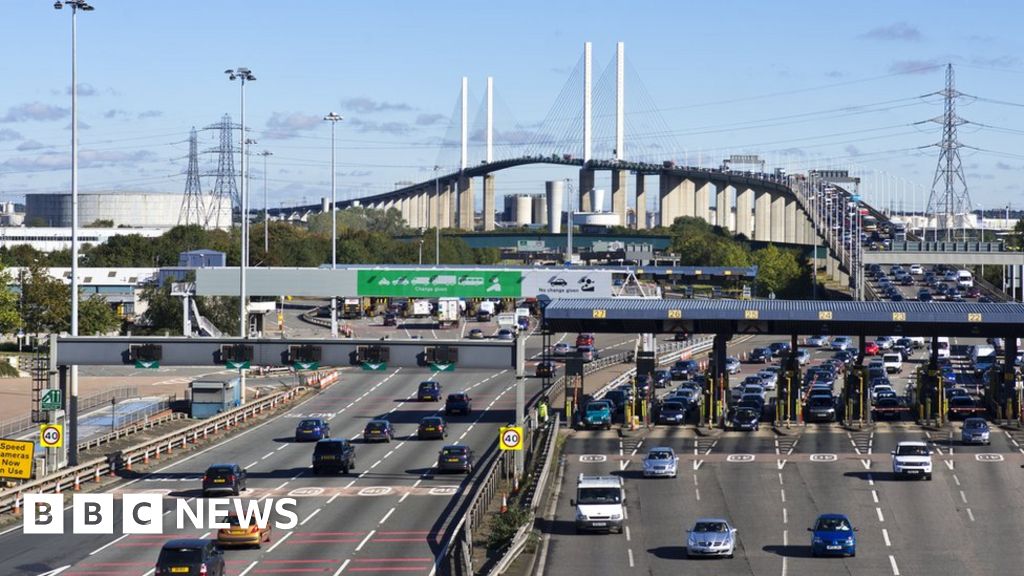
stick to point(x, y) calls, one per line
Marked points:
point(696, 464)
point(949, 464)
point(781, 463)
point(866, 463)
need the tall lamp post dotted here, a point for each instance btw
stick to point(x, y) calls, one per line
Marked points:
point(334, 119)
point(266, 206)
point(243, 75)
point(437, 218)
point(75, 5)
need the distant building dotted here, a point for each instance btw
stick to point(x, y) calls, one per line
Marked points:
point(202, 259)
point(54, 239)
point(120, 287)
point(143, 209)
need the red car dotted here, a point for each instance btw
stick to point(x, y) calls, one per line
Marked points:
point(871, 349)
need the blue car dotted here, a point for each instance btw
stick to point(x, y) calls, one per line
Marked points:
point(833, 535)
point(312, 429)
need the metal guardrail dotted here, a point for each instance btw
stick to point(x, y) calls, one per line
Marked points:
point(141, 420)
point(940, 246)
point(71, 478)
point(9, 428)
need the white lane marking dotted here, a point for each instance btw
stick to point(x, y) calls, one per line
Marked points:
point(885, 536)
point(880, 517)
point(310, 517)
point(149, 573)
point(248, 568)
point(782, 493)
point(331, 499)
point(780, 478)
point(630, 557)
point(283, 484)
point(108, 544)
point(253, 463)
point(278, 543)
point(375, 464)
point(874, 496)
point(963, 497)
point(627, 534)
point(695, 480)
point(970, 514)
point(785, 516)
point(956, 479)
point(698, 493)
point(895, 569)
point(871, 480)
point(949, 464)
point(269, 454)
point(282, 446)
point(365, 540)
point(404, 496)
point(386, 516)
point(205, 535)
point(785, 537)
point(342, 567)
point(1015, 443)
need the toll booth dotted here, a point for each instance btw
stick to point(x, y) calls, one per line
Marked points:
point(1004, 392)
point(929, 391)
point(788, 400)
point(856, 395)
point(210, 397)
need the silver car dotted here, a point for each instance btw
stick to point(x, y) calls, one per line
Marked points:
point(818, 341)
point(975, 431)
point(732, 365)
point(711, 537)
point(661, 462)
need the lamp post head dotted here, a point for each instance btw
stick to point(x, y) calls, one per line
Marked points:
point(332, 117)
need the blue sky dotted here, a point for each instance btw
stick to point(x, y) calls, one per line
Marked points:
point(805, 84)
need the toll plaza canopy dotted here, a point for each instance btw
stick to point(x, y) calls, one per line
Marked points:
point(659, 316)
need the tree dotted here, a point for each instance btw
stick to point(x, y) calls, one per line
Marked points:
point(101, 224)
point(779, 271)
point(95, 316)
point(222, 311)
point(10, 318)
point(45, 302)
point(163, 311)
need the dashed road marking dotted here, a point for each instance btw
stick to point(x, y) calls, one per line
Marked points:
point(365, 540)
point(885, 536)
point(895, 569)
point(880, 517)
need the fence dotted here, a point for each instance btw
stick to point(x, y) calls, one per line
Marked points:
point(25, 424)
point(94, 470)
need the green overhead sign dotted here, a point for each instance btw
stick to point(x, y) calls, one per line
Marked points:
point(440, 283)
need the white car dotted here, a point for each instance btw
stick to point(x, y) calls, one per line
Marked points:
point(880, 389)
point(916, 269)
point(711, 537)
point(561, 349)
point(661, 462)
point(912, 458)
point(842, 342)
point(893, 363)
point(769, 379)
point(885, 342)
point(817, 341)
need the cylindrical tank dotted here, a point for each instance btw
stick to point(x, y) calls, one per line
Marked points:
point(555, 192)
point(597, 200)
point(325, 205)
point(540, 209)
point(524, 210)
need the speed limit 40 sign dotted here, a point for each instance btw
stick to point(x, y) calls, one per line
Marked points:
point(51, 435)
point(510, 438)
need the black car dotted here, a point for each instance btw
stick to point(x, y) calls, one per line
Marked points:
point(762, 355)
point(618, 398)
point(224, 478)
point(390, 319)
point(820, 409)
point(190, 556)
point(662, 378)
point(684, 369)
point(312, 429)
point(779, 348)
point(458, 403)
point(546, 369)
point(334, 455)
point(672, 412)
point(455, 458)
point(429, 391)
point(432, 427)
point(745, 419)
point(378, 431)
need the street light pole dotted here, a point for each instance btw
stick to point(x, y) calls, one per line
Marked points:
point(75, 5)
point(437, 218)
point(243, 75)
point(266, 207)
point(334, 119)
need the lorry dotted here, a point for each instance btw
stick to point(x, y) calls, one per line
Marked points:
point(600, 503)
point(485, 311)
point(507, 320)
point(448, 312)
point(420, 308)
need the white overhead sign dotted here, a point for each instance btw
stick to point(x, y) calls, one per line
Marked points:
point(559, 283)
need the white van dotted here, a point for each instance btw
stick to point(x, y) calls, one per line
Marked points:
point(943, 342)
point(964, 279)
point(600, 503)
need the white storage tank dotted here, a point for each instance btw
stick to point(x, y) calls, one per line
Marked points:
point(524, 210)
point(555, 192)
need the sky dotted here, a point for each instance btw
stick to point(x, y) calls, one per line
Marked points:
point(803, 84)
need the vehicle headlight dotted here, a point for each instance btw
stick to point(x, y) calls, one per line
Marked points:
point(849, 541)
point(817, 540)
point(580, 515)
point(616, 516)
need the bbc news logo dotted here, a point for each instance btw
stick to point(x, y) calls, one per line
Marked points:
point(143, 513)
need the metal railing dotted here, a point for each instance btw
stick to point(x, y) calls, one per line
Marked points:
point(94, 470)
point(942, 246)
point(145, 420)
point(15, 426)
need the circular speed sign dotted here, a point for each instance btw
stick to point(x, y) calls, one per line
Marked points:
point(511, 438)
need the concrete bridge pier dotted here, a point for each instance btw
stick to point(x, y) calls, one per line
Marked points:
point(434, 218)
point(669, 196)
point(702, 200)
point(446, 208)
point(466, 211)
point(620, 189)
point(641, 202)
point(790, 232)
point(723, 207)
point(745, 212)
point(777, 222)
point(586, 185)
point(762, 216)
point(489, 202)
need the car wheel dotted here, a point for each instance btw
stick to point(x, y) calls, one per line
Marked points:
point(853, 554)
point(345, 470)
point(316, 471)
point(928, 477)
point(236, 491)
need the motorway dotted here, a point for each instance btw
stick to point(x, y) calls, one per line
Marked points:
point(386, 517)
point(772, 486)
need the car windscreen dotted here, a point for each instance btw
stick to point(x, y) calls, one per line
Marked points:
point(911, 451)
point(820, 401)
point(710, 527)
point(745, 414)
point(659, 455)
point(180, 556)
point(309, 424)
point(376, 426)
point(832, 525)
point(328, 447)
point(972, 424)
point(598, 496)
point(672, 406)
point(455, 451)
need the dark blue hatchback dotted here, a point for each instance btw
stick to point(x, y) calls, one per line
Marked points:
point(833, 535)
point(312, 429)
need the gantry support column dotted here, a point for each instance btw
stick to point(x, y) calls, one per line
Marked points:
point(586, 185)
point(488, 202)
point(723, 207)
point(778, 218)
point(466, 211)
point(641, 202)
point(762, 215)
point(702, 201)
point(620, 188)
point(669, 192)
point(790, 233)
point(745, 212)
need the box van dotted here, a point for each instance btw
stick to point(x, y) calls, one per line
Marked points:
point(964, 279)
point(943, 342)
point(600, 503)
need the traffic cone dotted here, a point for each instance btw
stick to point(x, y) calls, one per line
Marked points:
point(56, 487)
point(504, 503)
point(145, 457)
point(77, 486)
point(17, 504)
point(157, 455)
point(128, 465)
point(96, 475)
